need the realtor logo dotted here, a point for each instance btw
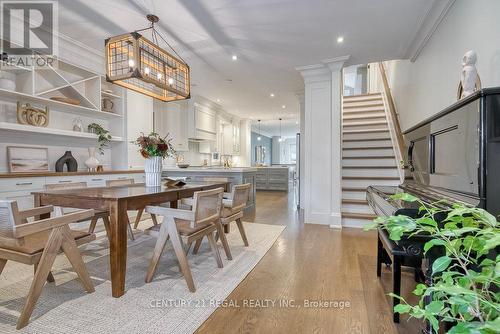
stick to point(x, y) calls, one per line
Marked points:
point(29, 27)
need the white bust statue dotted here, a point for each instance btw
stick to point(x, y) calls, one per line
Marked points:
point(469, 73)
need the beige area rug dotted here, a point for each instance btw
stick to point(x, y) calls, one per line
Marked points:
point(162, 306)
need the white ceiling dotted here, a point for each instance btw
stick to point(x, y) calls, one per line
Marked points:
point(270, 38)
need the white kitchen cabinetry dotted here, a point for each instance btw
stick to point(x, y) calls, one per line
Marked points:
point(139, 120)
point(231, 138)
point(201, 122)
point(171, 118)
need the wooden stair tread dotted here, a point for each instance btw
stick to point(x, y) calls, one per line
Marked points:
point(360, 95)
point(370, 178)
point(368, 216)
point(365, 123)
point(366, 139)
point(366, 131)
point(350, 118)
point(372, 157)
point(369, 167)
point(368, 148)
point(353, 189)
point(350, 106)
point(355, 201)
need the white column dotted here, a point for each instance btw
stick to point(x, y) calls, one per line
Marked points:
point(322, 174)
point(301, 169)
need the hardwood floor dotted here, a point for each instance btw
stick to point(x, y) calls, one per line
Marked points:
point(312, 262)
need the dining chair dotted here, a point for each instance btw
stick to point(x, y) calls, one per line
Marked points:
point(183, 227)
point(124, 182)
point(38, 242)
point(233, 205)
point(104, 215)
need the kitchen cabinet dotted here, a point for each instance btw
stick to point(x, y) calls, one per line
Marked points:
point(272, 178)
point(172, 118)
point(231, 138)
point(202, 122)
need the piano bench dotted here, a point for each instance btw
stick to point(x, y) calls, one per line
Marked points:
point(390, 253)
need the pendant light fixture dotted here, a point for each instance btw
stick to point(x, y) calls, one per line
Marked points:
point(140, 64)
point(258, 137)
point(281, 138)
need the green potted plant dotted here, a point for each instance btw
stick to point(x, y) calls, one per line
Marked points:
point(466, 278)
point(154, 149)
point(103, 136)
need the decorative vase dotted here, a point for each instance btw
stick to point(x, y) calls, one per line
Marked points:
point(92, 161)
point(153, 168)
point(68, 160)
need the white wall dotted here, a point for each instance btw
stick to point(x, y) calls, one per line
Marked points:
point(423, 88)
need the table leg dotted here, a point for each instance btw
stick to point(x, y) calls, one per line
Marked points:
point(118, 246)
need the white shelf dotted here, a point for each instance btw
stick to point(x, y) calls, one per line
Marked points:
point(12, 96)
point(51, 131)
point(103, 93)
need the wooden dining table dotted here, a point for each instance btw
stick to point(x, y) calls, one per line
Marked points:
point(117, 201)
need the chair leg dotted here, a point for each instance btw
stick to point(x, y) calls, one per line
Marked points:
point(50, 277)
point(3, 262)
point(92, 225)
point(242, 231)
point(223, 240)
point(130, 231)
point(396, 285)
point(46, 261)
point(197, 246)
point(179, 252)
point(215, 250)
point(153, 218)
point(160, 245)
point(75, 258)
point(138, 218)
point(105, 220)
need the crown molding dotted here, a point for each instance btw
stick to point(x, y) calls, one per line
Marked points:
point(429, 23)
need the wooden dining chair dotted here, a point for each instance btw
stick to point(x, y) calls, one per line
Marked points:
point(184, 227)
point(124, 182)
point(37, 243)
point(233, 205)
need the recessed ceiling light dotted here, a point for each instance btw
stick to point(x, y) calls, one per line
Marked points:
point(297, 123)
point(283, 107)
point(234, 57)
point(218, 100)
point(340, 39)
point(271, 95)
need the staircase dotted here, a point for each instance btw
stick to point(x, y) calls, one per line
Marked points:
point(367, 155)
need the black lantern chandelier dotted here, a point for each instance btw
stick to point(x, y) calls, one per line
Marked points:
point(140, 64)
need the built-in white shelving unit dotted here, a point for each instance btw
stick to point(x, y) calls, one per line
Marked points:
point(64, 79)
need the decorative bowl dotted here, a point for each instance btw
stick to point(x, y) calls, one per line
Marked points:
point(183, 165)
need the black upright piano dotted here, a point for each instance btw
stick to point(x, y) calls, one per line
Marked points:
point(453, 155)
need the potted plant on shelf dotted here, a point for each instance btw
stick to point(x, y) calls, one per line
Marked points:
point(154, 149)
point(466, 278)
point(103, 135)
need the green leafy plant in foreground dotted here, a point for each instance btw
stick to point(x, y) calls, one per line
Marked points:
point(465, 280)
point(103, 136)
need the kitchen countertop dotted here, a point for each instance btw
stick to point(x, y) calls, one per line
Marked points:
point(210, 169)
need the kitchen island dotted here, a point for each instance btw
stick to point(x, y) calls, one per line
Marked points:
point(235, 175)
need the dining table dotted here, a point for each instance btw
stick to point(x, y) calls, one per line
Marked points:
point(117, 201)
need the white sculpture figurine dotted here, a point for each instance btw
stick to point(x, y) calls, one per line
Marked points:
point(469, 73)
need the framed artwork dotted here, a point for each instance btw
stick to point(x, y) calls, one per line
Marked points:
point(25, 159)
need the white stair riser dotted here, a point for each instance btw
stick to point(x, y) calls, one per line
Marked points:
point(367, 152)
point(377, 116)
point(368, 143)
point(370, 172)
point(368, 162)
point(366, 183)
point(357, 208)
point(353, 194)
point(361, 122)
point(364, 103)
point(362, 97)
point(365, 127)
point(366, 136)
point(354, 111)
point(355, 222)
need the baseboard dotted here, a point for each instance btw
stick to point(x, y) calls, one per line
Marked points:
point(355, 223)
